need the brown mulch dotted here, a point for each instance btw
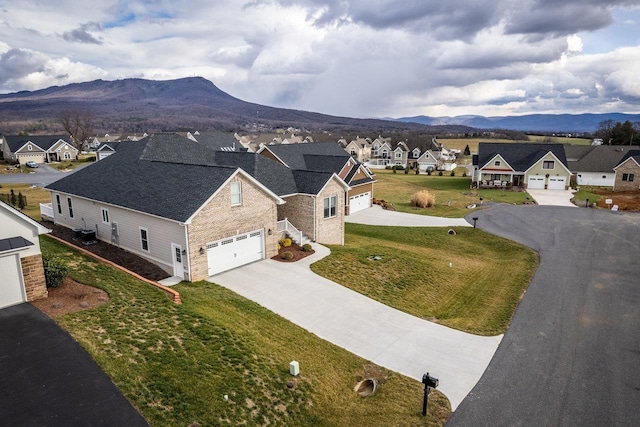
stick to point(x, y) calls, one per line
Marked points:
point(113, 253)
point(70, 297)
point(297, 252)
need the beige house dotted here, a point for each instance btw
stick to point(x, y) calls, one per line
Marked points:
point(194, 211)
point(39, 149)
point(20, 258)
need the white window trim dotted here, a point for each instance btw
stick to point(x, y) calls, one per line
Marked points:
point(335, 207)
point(59, 204)
point(553, 165)
point(140, 229)
point(497, 163)
point(105, 215)
point(66, 155)
point(238, 194)
point(70, 206)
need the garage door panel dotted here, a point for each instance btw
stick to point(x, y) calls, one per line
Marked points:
point(557, 183)
point(359, 202)
point(235, 251)
point(11, 292)
point(535, 182)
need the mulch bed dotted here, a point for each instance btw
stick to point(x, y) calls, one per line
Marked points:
point(121, 257)
point(70, 297)
point(297, 252)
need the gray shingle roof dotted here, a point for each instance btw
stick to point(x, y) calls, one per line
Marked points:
point(520, 156)
point(219, 141)
point(43, 141)
point(294, 154)
point(600, 158)
point(14, 243)
point(631, 153)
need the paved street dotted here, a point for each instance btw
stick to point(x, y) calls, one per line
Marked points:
point(572, 352)
point(42, 176)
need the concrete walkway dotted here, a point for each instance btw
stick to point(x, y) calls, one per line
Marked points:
point(552, 197)
point(372, 330)
point(375, 215)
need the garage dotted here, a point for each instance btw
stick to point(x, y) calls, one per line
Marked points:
point(232, 252)
point(557, 183)
point(359, 202)
point(535, 182)
point(11, 289)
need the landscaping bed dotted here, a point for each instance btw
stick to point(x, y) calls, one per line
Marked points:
point(70, 297)
point(297, 253)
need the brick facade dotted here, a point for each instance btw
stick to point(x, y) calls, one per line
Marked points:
point(33, 274)
point(330, 230)
point(299, 211)
point(628, 167)
point(218, 219)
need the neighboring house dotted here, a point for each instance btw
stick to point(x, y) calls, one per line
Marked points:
point(328, 157)
point(39, 149)
point(359, 148)
point(20, 258)
point(195, 211)
point(628, 172)
point(532, 166)
point(427, 160)
point(594, 164)
point(107, 149)
point(98, 141)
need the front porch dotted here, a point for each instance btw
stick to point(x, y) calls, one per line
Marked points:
point(501, 180)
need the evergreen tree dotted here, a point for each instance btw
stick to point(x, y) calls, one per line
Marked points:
point(22, 202)
point(13, 199)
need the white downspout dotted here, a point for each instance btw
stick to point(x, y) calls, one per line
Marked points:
point(315, 214)
point(186, 240)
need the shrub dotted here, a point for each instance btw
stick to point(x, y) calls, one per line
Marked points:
point(22, 203)
point(287, 255)
point(423, 199)
point(406, 171)
point(464, 174)
point(55, 270)
point(440, 173)
point(417, 171)
point(306, 247)
point(453, 173)
point(428, 172)
point(286, 242)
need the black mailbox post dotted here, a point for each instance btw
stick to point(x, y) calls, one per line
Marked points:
point(429, 382)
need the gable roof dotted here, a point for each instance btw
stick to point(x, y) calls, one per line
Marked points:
point(632, 154)
point(15, 142)
point(599, 158)
point(24, 218)
point(294, 155)
point(520, 156)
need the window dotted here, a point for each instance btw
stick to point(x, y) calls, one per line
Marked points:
point(353, 152)
point(384, 154)
point(70, 204)
point(67, 155)
point(330, 206)
point(548, 164)
point(144, 239)
point(29, 147)
point(627, 177)
point(416, 154)
point(58, 204)
point(105, 215)
point(497, 163)
point(398, 154)
point(236, 193)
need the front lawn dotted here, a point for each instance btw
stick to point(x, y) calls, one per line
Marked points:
point(35, 195)
point(471, 281)
point(219, 359)
point(452, 193)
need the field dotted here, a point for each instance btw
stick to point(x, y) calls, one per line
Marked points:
point(461, 143)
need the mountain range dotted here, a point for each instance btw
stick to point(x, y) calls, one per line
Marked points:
point(194, 103)
point(559, 123)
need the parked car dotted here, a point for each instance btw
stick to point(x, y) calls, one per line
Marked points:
point(31, 164)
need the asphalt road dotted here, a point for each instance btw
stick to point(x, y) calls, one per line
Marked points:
point(42, 176)
point(571, 356)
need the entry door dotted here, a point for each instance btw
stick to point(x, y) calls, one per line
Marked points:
point(178, 262)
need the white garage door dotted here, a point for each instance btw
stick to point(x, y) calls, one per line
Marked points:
point(11, 292)
point(234, 251)
point(556, 183)
point(359, 202)
point(536, 183)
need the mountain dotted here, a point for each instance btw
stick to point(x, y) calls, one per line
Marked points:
point(558, 123)
point(138, 105)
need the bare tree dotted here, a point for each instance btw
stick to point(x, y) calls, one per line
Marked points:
point(79, 125)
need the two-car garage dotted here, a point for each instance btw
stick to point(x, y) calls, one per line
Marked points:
point(235, 251)
point(537, 182)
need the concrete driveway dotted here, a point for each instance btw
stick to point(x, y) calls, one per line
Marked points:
point(571, 354)
point(552, 197)
point(375, 215)
point(374, 331)
point(47, 379)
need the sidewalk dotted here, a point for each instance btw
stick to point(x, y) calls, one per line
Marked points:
point(374, 331)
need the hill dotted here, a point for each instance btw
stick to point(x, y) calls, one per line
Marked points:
point(559, 123)
point(137, 105)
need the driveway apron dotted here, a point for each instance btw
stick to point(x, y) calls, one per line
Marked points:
point(374, 331)
point(49, 380)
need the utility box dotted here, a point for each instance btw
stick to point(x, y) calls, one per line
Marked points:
point(294, 368)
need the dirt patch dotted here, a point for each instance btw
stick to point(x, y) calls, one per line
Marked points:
point(70, 297)
point(113, 253)
point(295, 250)
point(626, 200)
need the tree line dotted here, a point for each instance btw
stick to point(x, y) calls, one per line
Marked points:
point(616, 133)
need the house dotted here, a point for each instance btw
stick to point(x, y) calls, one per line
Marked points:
point(359, 148)
point(628, 172)
point(20, 258)
point(39, 149)
point(594, 164)
point(426, 161)
point(328, 157)
point(195, 211)
point(532, 166)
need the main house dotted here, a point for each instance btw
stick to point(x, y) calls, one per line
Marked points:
point(532, 166)
point(195, 211)
point(328, 157)
point(20, 258)
point(39, 149)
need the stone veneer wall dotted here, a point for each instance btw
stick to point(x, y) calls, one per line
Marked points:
point(627, 167)
point(33, 274)
point(330, 231)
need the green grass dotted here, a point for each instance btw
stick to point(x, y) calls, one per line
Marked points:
point(587, 192)
point(176, 362)
point(35, 196)
point(398, 188)
point(477, 294)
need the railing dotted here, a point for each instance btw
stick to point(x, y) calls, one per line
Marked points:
point(46, 211)
point(286, 226)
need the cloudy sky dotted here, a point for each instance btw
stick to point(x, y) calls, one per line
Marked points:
point(357, 58)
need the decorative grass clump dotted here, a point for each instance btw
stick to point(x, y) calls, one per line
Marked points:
point(423, 199)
